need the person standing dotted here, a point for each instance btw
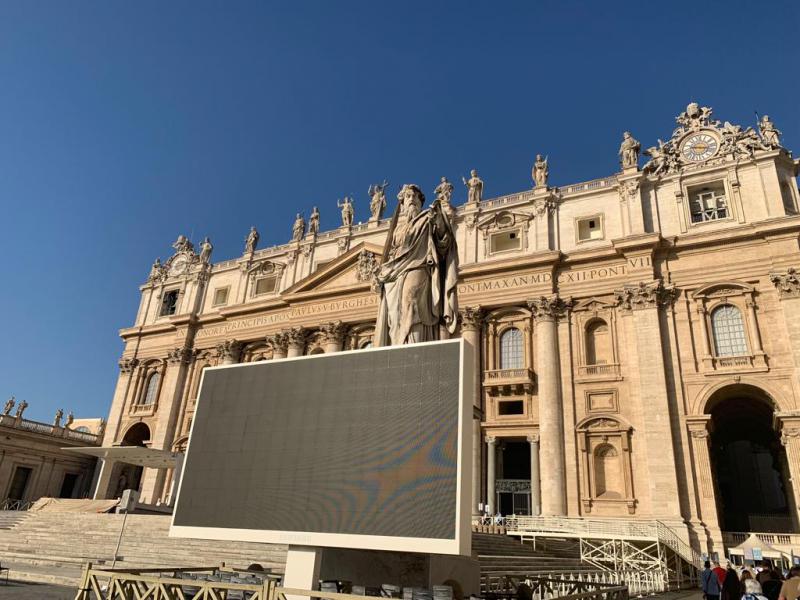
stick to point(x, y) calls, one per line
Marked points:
point(731, 586)
point(710, 583)
point(791, 587)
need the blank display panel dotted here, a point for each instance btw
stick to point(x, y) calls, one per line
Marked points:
point(362, 443)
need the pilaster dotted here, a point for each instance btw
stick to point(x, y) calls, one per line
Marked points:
point(471, 326)
point(699, 428)
point(788, 424)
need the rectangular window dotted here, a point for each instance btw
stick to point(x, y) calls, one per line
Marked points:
point(266, 285)
point(590, 228)
point(169, 303)
point(708, 202)
point(505, 240)
point(510, 407)
point(221, 296)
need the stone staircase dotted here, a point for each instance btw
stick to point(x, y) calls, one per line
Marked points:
point(11, 518)
point(501, 555)
point(53, 546)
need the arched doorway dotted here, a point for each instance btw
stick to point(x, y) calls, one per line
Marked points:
point(130, 476)
point(748, 462)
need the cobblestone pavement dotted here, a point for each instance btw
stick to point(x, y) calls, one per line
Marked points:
point(25, 590)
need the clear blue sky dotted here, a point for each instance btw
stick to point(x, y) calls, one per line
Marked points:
point(124, 124)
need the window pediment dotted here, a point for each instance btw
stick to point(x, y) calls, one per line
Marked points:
point(723, 289)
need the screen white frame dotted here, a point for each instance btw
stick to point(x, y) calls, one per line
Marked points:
point(462, 542)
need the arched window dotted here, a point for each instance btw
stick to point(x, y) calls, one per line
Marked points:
point(598, 343)
point(728, 330)
point(511, 354)
point(82, 429)
point(367, 344)
point(607, 472)
point(151, 391)
point(317, 350)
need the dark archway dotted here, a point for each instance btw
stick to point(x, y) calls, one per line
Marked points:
point(130, 476)
point(137, 435)
point(749, 462)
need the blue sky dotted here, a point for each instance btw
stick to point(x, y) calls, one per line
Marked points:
point(123, 125)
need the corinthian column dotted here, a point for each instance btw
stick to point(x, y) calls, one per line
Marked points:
point(333, 336)
point(229, 351)
point(551, 417)
point(790, 438)
point(471, 320)
point(296, 337)
point(278, 342)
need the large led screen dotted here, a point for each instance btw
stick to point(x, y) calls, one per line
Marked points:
point(353, 449)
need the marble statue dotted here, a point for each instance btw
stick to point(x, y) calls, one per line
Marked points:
point(59, 416)
point(347, 211)
point(417, 278)
point(251, 241)
point(9, 405)
point(156, 270)
point(70, 419)
point(205, 250)
point(770, 135)
point(377, 204)
point(21, 409)
point(444, 192)
point(313, 221)
point(299, 228)
point(540, 172)
point(182, 244)
point(658, 162)
point(474, 187)
point(629, 151)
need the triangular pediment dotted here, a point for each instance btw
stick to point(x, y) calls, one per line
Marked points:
point(593, 304)
point(344, 272)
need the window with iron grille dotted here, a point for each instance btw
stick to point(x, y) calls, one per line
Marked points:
point(511, 351)
point(728, 329)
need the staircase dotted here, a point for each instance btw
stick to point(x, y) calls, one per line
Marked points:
point(11, 518)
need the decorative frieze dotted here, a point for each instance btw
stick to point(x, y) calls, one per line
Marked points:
point(229, 350)
point(645, 295)
point(787, 284)
point(471, 318)
point(549, 308)
point(367, 265)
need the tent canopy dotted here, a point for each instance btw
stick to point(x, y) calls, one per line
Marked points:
point(752, 542)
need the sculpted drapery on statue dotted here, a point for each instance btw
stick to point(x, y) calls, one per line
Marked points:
point(417, 279)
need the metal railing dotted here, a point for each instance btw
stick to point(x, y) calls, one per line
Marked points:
point(11, 504)
point(578, 586)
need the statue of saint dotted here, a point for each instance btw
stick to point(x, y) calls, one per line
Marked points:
point(9, 405)
point(251, 241)
point(540, 172)
point(629, 151)
point(299, 228)
point(377, 204)
point(21, 409)
point(444, 192)
point(59, 416)
point(70, 419)
point(205, 250)
point(347, 211)
point(474, 187)
point(770, 135)
point(313, 221)
point(418, 275)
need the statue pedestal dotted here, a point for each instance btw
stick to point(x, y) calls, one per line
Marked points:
point(541, 191)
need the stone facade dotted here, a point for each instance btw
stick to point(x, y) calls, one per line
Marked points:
point(606, 314)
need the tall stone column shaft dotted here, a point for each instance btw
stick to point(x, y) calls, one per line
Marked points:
point(491, 458)
point(471, 324)
point(551, 416)
point(536, 483)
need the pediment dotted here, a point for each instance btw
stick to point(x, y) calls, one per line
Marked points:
point(505, 219)
point(723, 289)
point(593, 304)
point(348, 271)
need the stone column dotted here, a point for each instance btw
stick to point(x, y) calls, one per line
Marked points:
point(789, 424)
point(333, 336)
point(551, 420)
point(753, 322)
point(699, 433)
point(229, 351)
point(471, 323)
point(296, 337)
point(536, 484)
point(278, 342)
point(491, 457)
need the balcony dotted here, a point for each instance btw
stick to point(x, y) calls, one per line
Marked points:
point(509, 381)
point(603, 371)
point(741, 362)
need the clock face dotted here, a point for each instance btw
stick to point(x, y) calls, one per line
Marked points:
point(178, 266)
point(699, 147)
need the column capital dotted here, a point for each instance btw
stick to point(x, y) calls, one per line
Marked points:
point(127, 365)
point(787, 284)
point(333, 332)
point(491, 440)
point(180, 355)
point(533, 438)
point(645, 294)
point(296, 336)
point(278, 342)
point(549, 308)
point(229, 350)
point(471, 318)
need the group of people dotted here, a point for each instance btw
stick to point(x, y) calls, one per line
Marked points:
point(766, 584)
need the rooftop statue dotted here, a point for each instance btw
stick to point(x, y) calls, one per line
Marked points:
point(182, 244)
point(21, 409)
point(156, 271)
point(629, 151)
point(444, 192)
point(313, 221)
point(9, 405)
point(251, 241)
point(377, 204)
point(347, 211)
point(70, 419)
point(474, 187)
point(770, 135)
point(540, 172)
point(205, 250)
point(299, 228)
point(417, 278)
point(58, 417)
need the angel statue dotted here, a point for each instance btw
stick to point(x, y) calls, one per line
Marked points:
point(378, 202)
point(658, 159)
point(417, 277)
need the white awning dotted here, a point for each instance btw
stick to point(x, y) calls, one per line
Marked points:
point(134, 455)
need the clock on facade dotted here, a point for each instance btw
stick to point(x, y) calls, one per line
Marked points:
point(699, 147)
point(178, 266)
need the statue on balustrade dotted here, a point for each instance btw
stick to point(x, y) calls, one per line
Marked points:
point(629, 151)
point(59, 416)
point(9, 406)
point(347, 211)
point(378, 203)
point(205, 250)
point(770, 135)
point(474, 187)
point(251, 241)
point(540, 172)
point(299, 228)
point(70, 419)
point(21, 409)
point(417, 277)
point(313, 221)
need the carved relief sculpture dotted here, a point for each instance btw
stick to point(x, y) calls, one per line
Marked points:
point(182, 244)
point(299, 228)
point(367, 264)
point(645, 295)
point(347, 211)
point(474, 187)
point(377, 204)
point(787, 284)
point(629, 151)
point(313, 222)
point(417, 279)
point(540, 172)
point(251, 241)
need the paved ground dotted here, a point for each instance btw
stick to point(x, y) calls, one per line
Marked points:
point(24, 590)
